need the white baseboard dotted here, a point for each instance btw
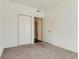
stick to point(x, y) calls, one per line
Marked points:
point(67, 48)
point(1, 51)
point(64, 47)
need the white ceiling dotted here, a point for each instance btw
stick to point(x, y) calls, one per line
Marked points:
point(40, 4)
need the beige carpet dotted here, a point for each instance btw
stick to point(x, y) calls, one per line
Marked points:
point(38, 51)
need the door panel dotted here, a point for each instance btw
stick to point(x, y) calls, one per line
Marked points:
point(25, 28)
point(48, 30)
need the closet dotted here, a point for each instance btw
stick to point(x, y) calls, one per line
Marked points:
point(25, 29)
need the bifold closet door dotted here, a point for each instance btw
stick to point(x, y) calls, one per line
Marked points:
point(25, 30)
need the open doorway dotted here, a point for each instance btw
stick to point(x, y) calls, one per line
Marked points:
point(38, 24)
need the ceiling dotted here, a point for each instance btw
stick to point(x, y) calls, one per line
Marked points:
point(40, 4)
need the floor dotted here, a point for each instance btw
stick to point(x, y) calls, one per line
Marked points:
point(37, 41)
point(38, 51)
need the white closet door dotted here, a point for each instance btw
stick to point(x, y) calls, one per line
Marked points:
point(25, 30)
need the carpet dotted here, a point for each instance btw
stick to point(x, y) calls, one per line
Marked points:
point(38, 51)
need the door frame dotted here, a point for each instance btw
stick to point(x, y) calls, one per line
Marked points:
point(18, 27)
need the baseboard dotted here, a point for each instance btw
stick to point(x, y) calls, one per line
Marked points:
point(66, 48)
point(69, 49)
point(1, 51)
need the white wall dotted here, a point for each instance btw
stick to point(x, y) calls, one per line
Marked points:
point(10, 11)
point(63, 16)
point(1, 45)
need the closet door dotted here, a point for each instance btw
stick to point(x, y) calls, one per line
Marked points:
point(25, 30)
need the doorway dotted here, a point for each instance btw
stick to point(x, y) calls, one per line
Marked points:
point(38, 24)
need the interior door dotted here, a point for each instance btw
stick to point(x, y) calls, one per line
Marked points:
point(25, 30)
point(48, 30)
